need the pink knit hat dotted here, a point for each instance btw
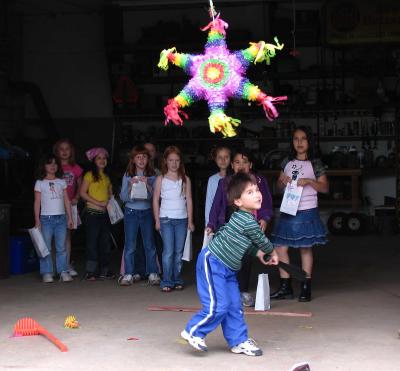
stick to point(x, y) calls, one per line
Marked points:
point(93, 152)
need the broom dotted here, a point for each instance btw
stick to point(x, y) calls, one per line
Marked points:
point(28, 327)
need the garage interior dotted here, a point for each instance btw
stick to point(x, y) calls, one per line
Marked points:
point(87, 70)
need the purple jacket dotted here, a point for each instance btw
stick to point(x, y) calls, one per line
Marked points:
point(219, 208)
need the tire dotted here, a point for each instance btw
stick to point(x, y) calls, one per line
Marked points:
point(336, 223)
point(355, 224)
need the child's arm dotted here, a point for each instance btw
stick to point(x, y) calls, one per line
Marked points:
point(36, 208)
point(321, 184)
point(156, 202)
point(264, 215)
point(124, 194)
point(283, 180)
point(67, 205)
point(189, 204)
point(209, 201)
point(258, 238)
point(75, 200)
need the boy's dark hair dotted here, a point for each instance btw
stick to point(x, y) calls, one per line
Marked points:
point(45, 160)
point(237, 185)
point(312, 152)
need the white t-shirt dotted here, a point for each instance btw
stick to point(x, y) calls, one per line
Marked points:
point(52, 196)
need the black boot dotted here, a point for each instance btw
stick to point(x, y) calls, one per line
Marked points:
point(285, 290)
point(305, 290)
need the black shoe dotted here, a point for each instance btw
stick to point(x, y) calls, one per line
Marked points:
point(107, 275)
point(285, 290)
point(305, 290)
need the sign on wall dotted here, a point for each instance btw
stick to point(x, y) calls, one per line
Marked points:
point(360, 21)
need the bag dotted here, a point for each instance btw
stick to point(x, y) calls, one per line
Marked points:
point(139, 191)
point(207, 239)
point(187, 250)
point(114, 211)
point(38, 242)
point(291, 198)
point(76, 220)
point(262, 295)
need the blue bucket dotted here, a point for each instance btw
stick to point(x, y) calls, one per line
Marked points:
point(23, 258)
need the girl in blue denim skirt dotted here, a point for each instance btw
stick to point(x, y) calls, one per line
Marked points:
point(174, 216)
point(50, 206)
point(305, 229)
point(138, 216)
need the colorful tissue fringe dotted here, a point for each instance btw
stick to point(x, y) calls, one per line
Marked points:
point(218, 75)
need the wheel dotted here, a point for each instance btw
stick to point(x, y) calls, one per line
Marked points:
point(355, 224)
point(336, 223)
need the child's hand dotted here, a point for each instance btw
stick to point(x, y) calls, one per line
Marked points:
point(134, 180)
point(74, 201)
point(263, 224)
point(103, 204)
point(284, 179)
point(303, 182)
point(209, 231)
point(273, 260)
point(70, 224)
point(37, 224)
point(191, 227)
point(157, 226)
point(143, 179)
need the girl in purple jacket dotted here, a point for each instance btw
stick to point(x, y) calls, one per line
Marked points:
point(220, 213)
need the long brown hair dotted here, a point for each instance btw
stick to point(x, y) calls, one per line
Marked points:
point(57, 145)
point(181, 170)
point(131, 168)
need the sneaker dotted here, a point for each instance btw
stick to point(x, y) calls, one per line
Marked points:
point(65, 277)
point(154, 279)
point(136, 277)
point(247, 299)
point(248, 347)
point(47, 278)
point(125, 280)
point(195, 341)
point(72, 272)
point(107, 275)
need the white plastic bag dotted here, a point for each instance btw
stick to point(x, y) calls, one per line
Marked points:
point(291, 198)
point(262, 295)
point(187, 250)
point(114, 211)
point(139, 191)
point(207, 239)
point(38, 242)
point(76, 220)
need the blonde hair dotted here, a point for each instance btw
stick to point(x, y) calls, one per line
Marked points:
point(56, 148)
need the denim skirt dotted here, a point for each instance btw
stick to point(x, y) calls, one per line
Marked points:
point(302, 230)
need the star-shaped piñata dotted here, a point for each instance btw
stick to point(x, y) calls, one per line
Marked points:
point(218, 75)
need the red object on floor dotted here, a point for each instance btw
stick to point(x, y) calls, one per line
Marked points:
point(29, 327)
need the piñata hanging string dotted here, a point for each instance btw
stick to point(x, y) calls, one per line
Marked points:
point(218, 75)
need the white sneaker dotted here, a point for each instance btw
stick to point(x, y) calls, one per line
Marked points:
point(136, 277)
point(47, 278)
point(125, 280)
point(72, 272)
point(247, 299)
point(154, 279)
point(248, 347)
point(65, 277)
point(195, 341)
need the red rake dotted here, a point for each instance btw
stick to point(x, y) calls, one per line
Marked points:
point(28, 327)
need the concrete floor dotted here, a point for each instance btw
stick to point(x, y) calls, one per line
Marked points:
point(355, 324)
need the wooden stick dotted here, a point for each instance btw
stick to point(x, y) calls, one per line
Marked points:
point(247, 311)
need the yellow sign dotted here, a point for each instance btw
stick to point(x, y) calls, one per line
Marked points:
point(360, 21)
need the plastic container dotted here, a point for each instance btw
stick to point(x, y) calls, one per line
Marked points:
point(23, 258)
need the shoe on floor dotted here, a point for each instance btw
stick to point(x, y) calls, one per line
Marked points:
point(47, 278)
point(248, 347)
point(136, 277)
point(247, 299)
point(72, 272)
point(154, 279)
point(65, 277)
point(125, 280)
point(195, 341)
point(107, 275)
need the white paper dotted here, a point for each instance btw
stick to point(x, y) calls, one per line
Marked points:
point(114, 211)
point(187, 250)
point(139, 191)
point(207, 239)
point(38, 242)
point(291, 198)
point(262, 295)
point(76, 220)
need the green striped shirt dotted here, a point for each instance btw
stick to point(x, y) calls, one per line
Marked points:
point(240, 235)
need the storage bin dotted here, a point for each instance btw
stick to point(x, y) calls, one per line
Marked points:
point(23, 258)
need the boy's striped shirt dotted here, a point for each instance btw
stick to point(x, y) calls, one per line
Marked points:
point(241, 234)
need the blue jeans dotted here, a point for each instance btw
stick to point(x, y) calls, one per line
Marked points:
point(173, 233)
point(54, 226)
point(134, 221)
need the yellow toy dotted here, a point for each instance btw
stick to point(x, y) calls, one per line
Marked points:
point(71, 322)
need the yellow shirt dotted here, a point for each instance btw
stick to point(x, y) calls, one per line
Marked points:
point(98, 190)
